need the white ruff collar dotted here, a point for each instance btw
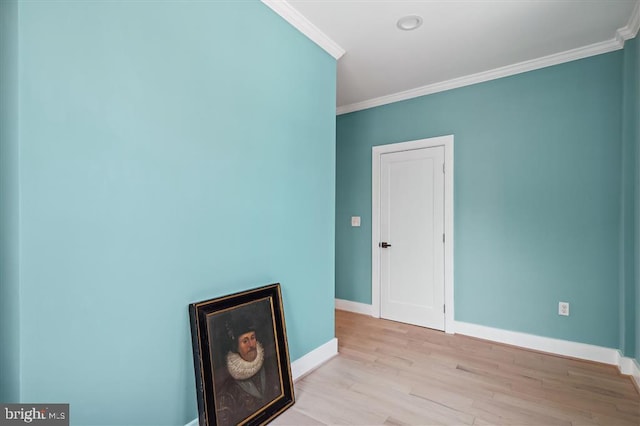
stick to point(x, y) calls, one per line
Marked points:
point(241, 369)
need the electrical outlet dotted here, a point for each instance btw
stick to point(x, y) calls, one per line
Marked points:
point(563, 309)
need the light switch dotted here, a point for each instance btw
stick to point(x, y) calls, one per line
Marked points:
point(355, 220)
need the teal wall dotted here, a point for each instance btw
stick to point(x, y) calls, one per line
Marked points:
point(630, 113)
point(9, 240)
point(169, 152)
point(636, 121)
point(537, 196)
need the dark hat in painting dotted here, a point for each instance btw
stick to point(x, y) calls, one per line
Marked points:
point(237, 326)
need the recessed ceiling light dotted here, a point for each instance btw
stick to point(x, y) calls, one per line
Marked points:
point(408, 23)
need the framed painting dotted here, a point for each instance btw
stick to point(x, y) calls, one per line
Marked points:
point(241, 358)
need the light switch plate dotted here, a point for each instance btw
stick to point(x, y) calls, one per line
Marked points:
point(355, 220)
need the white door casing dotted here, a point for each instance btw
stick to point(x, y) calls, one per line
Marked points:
point(397, 165)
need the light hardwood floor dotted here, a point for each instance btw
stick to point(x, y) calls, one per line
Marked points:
point(389, 373)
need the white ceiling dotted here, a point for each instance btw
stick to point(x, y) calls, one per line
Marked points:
point(460, 42)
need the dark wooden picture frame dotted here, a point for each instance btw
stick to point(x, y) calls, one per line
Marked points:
point(241, 358)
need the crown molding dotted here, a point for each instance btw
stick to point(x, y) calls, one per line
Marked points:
point(302, 24)
point(616, 43)
point(631, 29)
point(534, 64)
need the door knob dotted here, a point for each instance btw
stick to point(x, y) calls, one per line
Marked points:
point(384, 244)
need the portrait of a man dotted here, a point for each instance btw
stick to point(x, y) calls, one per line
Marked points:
point(245, 364)
point(241, 358)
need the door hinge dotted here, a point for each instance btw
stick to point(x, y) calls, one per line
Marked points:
point(444, 309)
point(443, 168)
point(443, 238)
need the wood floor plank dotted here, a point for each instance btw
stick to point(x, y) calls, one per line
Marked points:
point(388, 373)
point(567, 414)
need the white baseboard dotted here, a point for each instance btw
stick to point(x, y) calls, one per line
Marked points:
point(356, 307)
point(627, 366)
point(306, 364)
point(314, 359)
point(630, 367)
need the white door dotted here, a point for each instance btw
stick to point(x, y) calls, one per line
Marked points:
point(412, 237)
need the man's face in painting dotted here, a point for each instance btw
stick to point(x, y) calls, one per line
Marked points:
point(247, 346)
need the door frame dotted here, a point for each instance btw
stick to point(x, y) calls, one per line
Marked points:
point(377, 151)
